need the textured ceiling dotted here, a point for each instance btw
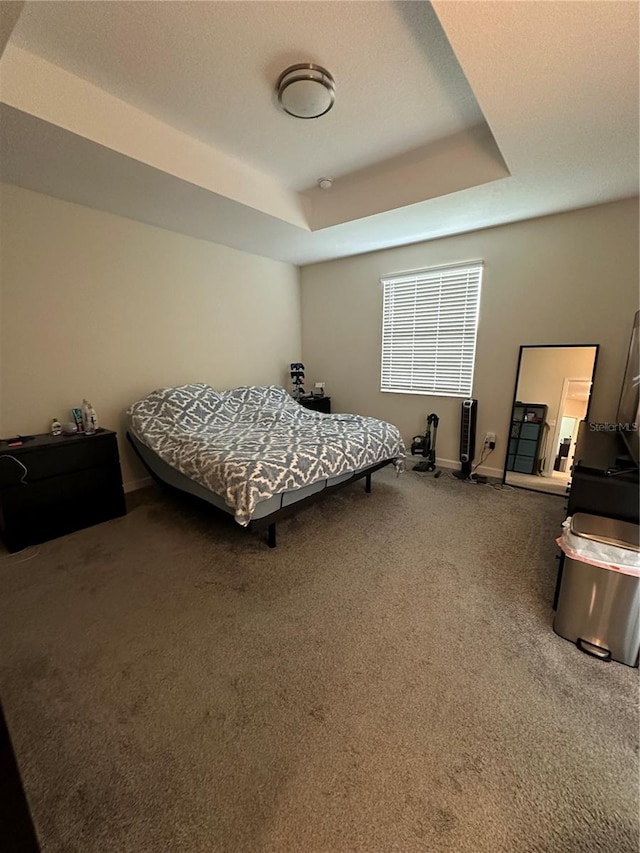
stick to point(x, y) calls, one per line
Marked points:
point(449, 117)
point(209, 69)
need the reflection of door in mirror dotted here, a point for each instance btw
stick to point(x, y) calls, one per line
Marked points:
point(552, 394)
point(572, 410)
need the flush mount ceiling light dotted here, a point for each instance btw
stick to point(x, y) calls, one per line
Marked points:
point(306, 90)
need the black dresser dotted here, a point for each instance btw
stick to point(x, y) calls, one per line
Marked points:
point(525, 439)
point(53, 485)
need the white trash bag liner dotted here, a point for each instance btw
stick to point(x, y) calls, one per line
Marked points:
point(599, 554)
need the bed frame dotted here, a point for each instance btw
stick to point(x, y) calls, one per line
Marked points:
point(267, 521)
point(270, 520)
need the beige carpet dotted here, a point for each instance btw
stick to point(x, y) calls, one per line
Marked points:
point(386, 680)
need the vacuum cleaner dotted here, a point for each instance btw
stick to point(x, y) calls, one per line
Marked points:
point(425, 445)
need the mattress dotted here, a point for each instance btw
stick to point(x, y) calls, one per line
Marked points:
point(262, 509)
point(254, 448)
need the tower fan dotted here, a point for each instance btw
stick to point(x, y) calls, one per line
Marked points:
point(468, 421)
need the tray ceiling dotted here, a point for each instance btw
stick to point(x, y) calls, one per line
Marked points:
point(448, 117)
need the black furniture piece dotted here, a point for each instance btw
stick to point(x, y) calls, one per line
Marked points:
point(525, 437)
point(316, 404)
point(604, 480)
point(560, 463)
point(53, 485)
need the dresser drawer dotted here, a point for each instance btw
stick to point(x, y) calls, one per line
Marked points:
point(50, 486)
point(46, 509)
point(66, 455)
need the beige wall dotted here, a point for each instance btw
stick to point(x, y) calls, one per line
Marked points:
point(100, 306)
point(97, 306)
point(543, 371)
point(570, 278)
point(574, 409)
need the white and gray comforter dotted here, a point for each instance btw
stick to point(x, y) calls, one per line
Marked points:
point(251, 443)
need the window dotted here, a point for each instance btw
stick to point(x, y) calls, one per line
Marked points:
point(429, 329)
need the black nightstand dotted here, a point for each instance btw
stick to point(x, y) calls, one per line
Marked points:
point(316, 404)
point(53, 485)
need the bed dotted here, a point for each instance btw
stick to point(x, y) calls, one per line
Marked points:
point(254, 452)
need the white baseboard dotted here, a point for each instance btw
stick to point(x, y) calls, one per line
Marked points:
point(454, 464)
point(134, 485)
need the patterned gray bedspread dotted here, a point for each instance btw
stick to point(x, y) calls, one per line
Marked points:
point(251, 443)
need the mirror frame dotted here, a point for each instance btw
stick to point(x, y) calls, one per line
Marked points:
point(515, 396)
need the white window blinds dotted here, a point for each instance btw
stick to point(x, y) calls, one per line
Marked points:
point(429, 328)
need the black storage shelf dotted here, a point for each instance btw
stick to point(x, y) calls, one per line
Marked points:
point(525, 441)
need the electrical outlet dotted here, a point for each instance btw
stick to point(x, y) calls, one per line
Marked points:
point(490, 440)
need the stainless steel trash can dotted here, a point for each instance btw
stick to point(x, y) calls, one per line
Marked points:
point(599, 608)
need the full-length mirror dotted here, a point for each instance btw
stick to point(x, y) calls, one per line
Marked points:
point(552, 395)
